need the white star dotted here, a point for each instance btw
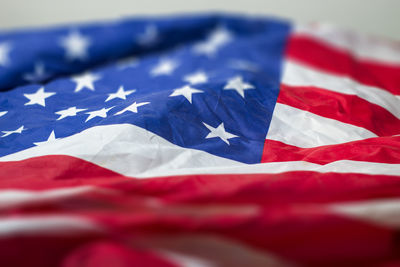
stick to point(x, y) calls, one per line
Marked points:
point(119, 94)
point(85, 80)
point(132, 108)
point(237, 84)
point(4, 53)
point(76, 46)
point(69, 112)
point(39, 97)
point(186, 91)
point(98, 113)
point(196, 77)
point(216, 39)
point(149, 37)
point(19, 130)
point(38, 74)
point(51, 138)
point(219, 132)
point(2, 113)
point(164, 67)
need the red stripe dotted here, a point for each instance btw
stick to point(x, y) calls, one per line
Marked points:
point(115, 254)
point(380, 149)
point(270, 189)
point(54, 171)
point(83, 251)
point(345, 108)
point(322, 56)
point(299, 186)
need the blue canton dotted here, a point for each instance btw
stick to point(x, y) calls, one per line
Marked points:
point(204, 82)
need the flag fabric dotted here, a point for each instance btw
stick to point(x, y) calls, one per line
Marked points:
point(202, 140)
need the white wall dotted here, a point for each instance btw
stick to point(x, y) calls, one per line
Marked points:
point(379, 17)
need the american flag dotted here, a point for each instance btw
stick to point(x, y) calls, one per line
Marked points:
point(203, 140)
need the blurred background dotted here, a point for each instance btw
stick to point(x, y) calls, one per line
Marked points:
point(377, 17)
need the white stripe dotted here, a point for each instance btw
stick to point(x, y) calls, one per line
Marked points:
point(126, 149)
point(48, 225)
point(135, 152)
point(343, 166)
point(385, 212)
point(180, 259)
point(199, 250)
point(358, 44)
point(296, 74)
point(301, 128)
point(13, 197)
